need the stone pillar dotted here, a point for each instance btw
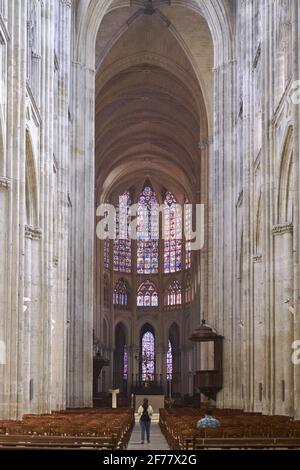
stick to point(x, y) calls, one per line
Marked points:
point(267, 57)
point(13, 288)
point(224, 219)
point(283, 332)
point(81, 289)
point(4, 217)
point(59, 259)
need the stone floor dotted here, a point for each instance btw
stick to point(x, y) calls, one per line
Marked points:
point(158, 442)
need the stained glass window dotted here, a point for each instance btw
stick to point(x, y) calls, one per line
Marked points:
point(169, 361)
point(173, 295)
point(147, 232)
point(120, 294)
point(148, 356)
point(106, 246)
point(147, 295)
point(106, 253)
point(188, 291)
point(125, 364)
point(188, 233)
point(122, 243)
point(172, 234)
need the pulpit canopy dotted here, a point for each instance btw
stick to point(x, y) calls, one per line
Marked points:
point(204, 333)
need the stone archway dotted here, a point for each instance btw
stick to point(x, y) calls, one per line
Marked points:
point(90, 16)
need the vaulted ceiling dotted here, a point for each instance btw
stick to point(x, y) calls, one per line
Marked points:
point(153, 97)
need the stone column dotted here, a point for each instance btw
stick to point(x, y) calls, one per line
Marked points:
point(224, 218)
point(81, 289)
point(4, 217)
point(267, 57)
point(283, 331)
point(13, 288)
point(59, 261)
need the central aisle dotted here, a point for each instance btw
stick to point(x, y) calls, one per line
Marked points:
point(158, 441)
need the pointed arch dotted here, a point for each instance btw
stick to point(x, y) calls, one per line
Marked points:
point(147, 295)
point(173, 294)
point(121, 293)
point(87, 18)
point(122, 243)
point(216, 12)
point(172, 234)
point(147, 232)
point(147, 353)
point(169, 361)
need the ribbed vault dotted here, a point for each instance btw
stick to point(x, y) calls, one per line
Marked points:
point(150, 111)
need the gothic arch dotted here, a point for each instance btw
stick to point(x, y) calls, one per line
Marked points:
point(88, 17)
point(121, 327)
point(215, 12)
point(121, 293)
point(147, 363)
point(147, 327)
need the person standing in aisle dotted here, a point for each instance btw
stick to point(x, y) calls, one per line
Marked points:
point(145, 413)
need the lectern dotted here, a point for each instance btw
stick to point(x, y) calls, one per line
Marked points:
point(209, 382)
point(114, 393)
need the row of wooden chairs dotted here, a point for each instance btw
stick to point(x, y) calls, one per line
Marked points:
point(105, 427)
point(180, 426)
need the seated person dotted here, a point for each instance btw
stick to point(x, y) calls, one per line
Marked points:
point(208, 421)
